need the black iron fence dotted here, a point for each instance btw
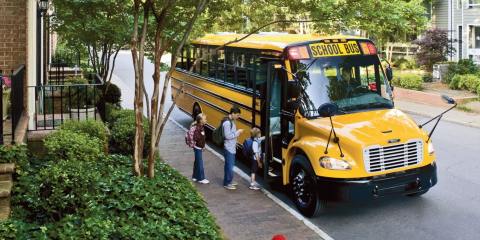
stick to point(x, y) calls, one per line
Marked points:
point(57, 103)
point(11, 101)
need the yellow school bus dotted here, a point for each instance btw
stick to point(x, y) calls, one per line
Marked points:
point(326, 107)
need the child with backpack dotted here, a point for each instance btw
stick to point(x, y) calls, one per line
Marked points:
point(252, 149)
point(195, 138)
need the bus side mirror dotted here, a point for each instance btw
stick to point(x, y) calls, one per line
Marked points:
point(389, 72)
point(293, 89)
point(327, 110)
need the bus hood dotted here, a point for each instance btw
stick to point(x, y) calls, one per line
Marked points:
point(381, 127)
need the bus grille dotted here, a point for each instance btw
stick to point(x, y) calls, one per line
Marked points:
point(378, 158)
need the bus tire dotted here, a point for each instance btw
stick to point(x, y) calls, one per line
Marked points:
point(196, 110)
point(304, 188)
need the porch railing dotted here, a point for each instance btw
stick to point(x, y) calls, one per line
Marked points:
point(16, 100)
point(57, 103)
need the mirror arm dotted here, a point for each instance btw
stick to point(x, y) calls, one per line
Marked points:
point(335, 139)
point(438, 116)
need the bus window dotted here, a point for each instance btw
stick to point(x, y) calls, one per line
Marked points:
point(230, 66)
point(204, 63)
point(241, 70)
point(196, 54)
point(212, 63)
point(220, 69)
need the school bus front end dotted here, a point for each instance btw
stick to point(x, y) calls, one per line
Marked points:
point(366, 149)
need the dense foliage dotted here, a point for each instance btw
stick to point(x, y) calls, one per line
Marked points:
point(68, 145)
point(122, 123)
point(464, 66)
point(434, 47)
point(113, 94)
point(408, 80)
point(92, 128)
point(17, 154)
point(69, 197)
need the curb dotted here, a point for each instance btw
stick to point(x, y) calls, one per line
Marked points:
point(292, 211)
point(443, 118)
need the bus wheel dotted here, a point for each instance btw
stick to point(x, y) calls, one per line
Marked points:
point(304, 191)
point(196, 110)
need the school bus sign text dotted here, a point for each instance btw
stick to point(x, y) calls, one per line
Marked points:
point(334, 49)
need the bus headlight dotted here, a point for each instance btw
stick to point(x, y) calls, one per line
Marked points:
point(430, 148)
point(334, 164)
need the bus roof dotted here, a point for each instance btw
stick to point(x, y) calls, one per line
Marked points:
point(267, 41)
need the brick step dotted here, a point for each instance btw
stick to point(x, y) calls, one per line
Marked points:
point(4, 208)
point(7, 168)
point(5, 177)
point(5, 189)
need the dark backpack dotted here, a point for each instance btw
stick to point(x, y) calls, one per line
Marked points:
point(248, 148)
point(218, 136)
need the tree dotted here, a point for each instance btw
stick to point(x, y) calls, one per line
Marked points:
point(434, 47)
point(101, 26)
point(166, 26)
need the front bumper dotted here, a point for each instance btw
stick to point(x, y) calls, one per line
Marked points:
point(364, 189)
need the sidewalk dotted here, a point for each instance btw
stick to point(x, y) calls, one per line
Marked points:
point(241, 214)
point(455, 116)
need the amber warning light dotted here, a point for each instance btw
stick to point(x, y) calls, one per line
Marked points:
point(297, 53)
point(368, 48)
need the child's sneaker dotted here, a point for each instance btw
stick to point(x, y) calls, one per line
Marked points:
point(230, 187)
point(204, 181)
point(254, 186)
point(194, 179)
point(234, 184)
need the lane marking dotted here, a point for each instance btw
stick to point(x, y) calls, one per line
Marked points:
point(289, 209)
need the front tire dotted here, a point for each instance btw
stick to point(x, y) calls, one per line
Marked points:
point(304, 188)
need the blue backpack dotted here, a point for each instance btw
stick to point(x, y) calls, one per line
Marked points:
point(248, 148)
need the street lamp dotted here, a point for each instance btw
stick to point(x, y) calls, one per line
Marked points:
point(43, 5)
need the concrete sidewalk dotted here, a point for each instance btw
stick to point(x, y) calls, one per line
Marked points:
point(456, 116)
point(242, 213)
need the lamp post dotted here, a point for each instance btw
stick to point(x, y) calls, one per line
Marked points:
point(43, 6)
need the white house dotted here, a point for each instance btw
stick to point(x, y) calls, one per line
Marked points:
point(461, 19)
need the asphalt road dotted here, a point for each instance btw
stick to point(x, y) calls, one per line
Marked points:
point(450, 210)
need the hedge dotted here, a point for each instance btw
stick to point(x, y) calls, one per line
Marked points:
point(123, 132)
point(408, 80)
point(468, 82)
point(92, 128)
point(462, 67)
point(67, 145)
point(17, 154)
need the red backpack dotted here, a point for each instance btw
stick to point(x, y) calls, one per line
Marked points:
point(189, 136)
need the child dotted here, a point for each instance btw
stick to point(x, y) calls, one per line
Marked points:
point(199, 139)
point(256, 158)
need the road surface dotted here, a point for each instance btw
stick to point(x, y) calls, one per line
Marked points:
point(450, 210)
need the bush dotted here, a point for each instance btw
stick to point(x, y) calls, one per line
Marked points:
point(466, 81)
point(464, 66)
point(92, 128)
point(113, 95)
point(123, 132)
point(68, 145)
point(117, 114)
point(66, 187)
point(103, 200)
point(404, 64)
point(82, 95)
point(408, 80)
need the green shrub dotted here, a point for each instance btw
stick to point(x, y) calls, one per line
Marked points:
point(123, 132)
point(110, 109)
point(113, 94)
point(103, 200)
point(66, 187)
point(92, 128)
point(119, 113)
point(465, 81)
point(404, 64)
point(408, 80)
point(82, 95)
point(464, 66)
point(68, 145)
point(478, 91)
point(15, 154)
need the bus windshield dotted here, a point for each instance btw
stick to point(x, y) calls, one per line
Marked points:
point(353, 83)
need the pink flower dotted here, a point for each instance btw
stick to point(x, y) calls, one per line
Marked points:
point(7, 81)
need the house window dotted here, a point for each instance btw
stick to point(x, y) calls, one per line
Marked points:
point(460, 42)
point(474, 36)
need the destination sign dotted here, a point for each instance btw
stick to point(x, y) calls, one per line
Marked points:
point(334, 49)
